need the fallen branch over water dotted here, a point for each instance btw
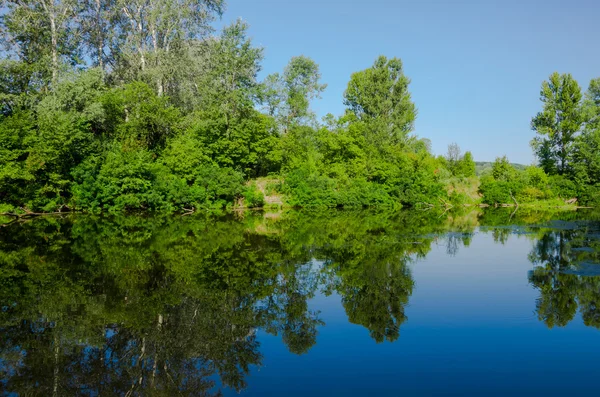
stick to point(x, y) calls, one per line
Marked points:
point(26, 215)
point(31, 214)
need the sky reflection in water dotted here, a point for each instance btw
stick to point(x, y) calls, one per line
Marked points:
point(329, 303)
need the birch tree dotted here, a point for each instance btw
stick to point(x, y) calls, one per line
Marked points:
point(155, 28)
point(48, 26)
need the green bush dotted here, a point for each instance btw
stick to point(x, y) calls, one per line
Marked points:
point(590, 195)
point(307, 189)
point(530, 194)
point(253, 197)
point(536, 177)
point(129, 179)
point(562, 187)
point(498, 192)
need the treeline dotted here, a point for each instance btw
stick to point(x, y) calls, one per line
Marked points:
point(126, 105)
point(121, 105)
point(567, 145)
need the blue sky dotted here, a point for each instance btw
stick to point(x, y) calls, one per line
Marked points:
point(476, 66)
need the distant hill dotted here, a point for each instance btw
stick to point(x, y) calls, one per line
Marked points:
point(481, 167)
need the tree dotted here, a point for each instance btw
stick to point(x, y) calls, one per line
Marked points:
point(502, 170)
point(138, 115)
point(591, 106)
point(379, 97)
point(226, 79)
point(467, 165)
point(558, 123)
point(288, 96)
point(157, 33)
point(99, 23)
point(39, 29)
point(586, 148)
point(453, 157)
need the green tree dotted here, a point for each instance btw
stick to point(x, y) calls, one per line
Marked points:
point(453, 157)
point(591, 106)
point(156, 38)
point(379, 97)
point(288, 95)
point(586, 148)
point(558, 123)
point(502, 169)
point(225, 68)
point(135, 113)
point(467, 165)
point(99, 25)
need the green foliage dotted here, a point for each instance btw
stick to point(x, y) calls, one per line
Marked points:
point(137, 115)
point(504, 184)
point(253, 197)
point(310, 189)
point(458, 165)
point(124, 180)
point(563, 187)
point(225, 72)
point(288, 96)
point(379, 97)
point(536, 177)
point(120, 106)
point(589, 195)
point(558, 122)
point(502, 170)
point(466, 166)
point(16, 175)
point(496, 191)
point(586, 156)
point(247, 144)
point(330, 168)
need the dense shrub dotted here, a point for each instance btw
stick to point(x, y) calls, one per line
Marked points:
point(562, 187)
point(312, 189)
point(499, 192)
point(590, 195)
point(129, 179)
point(253, 197)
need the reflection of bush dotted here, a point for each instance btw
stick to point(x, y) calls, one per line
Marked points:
point(156, 289)
point(556, 255)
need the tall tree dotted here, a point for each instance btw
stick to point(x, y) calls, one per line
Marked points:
point(453, 157)
point(591, 106)
point(48, 27)
point(558, 123)
point(586, 153)
point(379, 95)
point(155, 28)
point(226, 76)
point(288, 95)
point(466, 165)
point(502, 169)
point(99, 23)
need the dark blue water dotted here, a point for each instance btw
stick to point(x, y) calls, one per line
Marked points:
point(302, 304)
point(472, 328)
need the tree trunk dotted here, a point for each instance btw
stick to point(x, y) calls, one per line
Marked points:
point(100, 44)
point(140, 29)
point(159, 83)
point(54, 39)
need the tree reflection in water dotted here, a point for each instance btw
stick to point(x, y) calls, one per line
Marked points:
point(562, 259)
point(172, 306)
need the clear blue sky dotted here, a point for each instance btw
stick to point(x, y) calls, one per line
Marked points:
point(476, 66)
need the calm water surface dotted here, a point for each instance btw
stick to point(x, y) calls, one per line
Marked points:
point(301, 303)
